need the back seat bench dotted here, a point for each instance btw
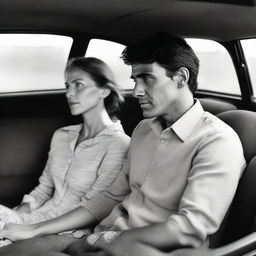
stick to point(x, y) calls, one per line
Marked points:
point(26, 127)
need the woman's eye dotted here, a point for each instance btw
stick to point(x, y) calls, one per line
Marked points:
point(80, 85)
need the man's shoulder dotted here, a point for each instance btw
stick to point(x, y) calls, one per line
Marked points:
point(214, 123)
point(212, 126)
point(143, 127)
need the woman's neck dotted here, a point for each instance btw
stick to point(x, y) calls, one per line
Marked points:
point(94, 124)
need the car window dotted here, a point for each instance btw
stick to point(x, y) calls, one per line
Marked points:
point(32, 62)
point(249, 46)
point(216, 72)
point(110, 52)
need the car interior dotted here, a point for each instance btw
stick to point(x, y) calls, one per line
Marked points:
point(222, 32)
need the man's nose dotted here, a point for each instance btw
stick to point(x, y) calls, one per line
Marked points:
point(138, 90)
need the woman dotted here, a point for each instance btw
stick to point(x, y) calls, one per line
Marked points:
point(84, 159)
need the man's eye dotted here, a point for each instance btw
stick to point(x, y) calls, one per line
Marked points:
point(146, 79)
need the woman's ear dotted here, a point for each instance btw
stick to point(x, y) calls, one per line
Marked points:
point(105, 93)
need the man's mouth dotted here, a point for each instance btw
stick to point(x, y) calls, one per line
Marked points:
point(144, 102)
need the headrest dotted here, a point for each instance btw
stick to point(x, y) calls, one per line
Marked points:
point(244, 124)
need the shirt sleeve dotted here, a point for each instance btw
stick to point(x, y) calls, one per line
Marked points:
point(111, 165)
point(41, 193)
point(212, 183)
point(101, 205)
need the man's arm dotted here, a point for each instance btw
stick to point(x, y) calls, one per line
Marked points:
point(211, 185)
point(159, 236)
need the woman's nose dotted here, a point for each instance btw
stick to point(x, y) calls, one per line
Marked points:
point(70, 92)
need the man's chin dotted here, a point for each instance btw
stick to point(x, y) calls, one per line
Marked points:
point(147, 114)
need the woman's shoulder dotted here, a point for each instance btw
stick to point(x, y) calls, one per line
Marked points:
point(121, 137)
point(65, 130)
point(118, 136)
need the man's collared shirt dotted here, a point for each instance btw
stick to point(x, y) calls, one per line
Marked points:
point(185, 175)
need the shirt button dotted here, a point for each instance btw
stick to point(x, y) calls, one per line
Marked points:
point(162, 141)
point(153, 163)
point(148, 177)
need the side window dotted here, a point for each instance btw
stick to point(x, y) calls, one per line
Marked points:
point(33, 62)
point(216, 72)
point(249, 46)
point(110, 53)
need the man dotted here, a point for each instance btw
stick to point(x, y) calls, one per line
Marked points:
point(178, 182)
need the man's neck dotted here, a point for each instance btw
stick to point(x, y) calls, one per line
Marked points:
point(180, 108)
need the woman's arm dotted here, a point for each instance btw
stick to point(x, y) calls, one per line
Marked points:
point(111, 165)
point(41, 193)
point(78, 218)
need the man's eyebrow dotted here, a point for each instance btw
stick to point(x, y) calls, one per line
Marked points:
point(142, 74)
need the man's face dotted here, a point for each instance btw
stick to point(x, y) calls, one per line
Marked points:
point(157, 93)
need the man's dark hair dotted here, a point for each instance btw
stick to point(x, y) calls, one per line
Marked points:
point(169, 51)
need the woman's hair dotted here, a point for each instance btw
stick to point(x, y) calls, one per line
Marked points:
point(103, 77)
point(169, 51)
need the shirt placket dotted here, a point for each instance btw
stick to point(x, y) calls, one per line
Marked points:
point(152, 168)
point(162, 141)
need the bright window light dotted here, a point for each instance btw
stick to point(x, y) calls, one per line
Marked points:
point(32, 62)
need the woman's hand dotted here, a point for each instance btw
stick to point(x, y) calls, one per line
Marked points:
point(15, 232)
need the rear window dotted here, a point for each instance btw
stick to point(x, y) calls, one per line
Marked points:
point(36, 62)
point(32, 62)
point(110, 53)
point(216, 73)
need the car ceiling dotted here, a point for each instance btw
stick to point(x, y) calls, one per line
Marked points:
point(128, 20)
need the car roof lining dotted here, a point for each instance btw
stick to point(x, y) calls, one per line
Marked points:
point(128, 20)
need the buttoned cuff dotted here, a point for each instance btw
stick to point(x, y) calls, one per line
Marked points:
point(31, 201)
point(193, 235)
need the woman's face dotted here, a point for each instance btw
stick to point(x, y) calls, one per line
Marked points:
point(83, 94)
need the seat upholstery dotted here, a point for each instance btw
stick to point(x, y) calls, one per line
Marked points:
point(239, 220)
point(244, 123)
point(216, 106)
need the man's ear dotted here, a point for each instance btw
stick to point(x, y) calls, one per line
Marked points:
point(183, 75)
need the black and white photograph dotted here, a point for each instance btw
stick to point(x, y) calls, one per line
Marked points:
point(128, 128)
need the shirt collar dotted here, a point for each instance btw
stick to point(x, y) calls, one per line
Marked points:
point(108, 130)
point(184, 125)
